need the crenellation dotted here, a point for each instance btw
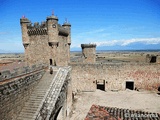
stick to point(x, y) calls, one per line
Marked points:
point(43, 24)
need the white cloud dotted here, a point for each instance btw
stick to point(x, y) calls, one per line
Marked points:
point(129, 41)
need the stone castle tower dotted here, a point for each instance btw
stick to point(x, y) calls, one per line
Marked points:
point(89, 53)
point(48, 42)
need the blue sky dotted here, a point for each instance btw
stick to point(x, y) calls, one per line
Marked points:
point(111, 24)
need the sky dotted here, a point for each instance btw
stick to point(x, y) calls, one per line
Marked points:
point(110, 24)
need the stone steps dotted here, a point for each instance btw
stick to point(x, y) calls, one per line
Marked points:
point(33, 104)
point(54, 92)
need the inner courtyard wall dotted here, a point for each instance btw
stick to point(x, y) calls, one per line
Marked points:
point(86, 76)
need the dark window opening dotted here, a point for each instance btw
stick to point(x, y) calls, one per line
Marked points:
point(101, 87)
point(153, 59)
point(50, 61)
point(130, 85)
point(159, 88)
point(55, 63)
point(0, 73)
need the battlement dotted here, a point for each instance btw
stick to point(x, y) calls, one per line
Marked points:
point(42, 29)
point(88, 45)
point(39, 31)
point(36, 25)
point(7, 74)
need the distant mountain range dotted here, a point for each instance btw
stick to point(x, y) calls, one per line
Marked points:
point(131, 47)
point(5, 51)
point(135, 47)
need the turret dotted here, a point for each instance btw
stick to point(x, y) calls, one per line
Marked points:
point(52, 26)
point(67, 26)
point(24, 23)
point(89, 53)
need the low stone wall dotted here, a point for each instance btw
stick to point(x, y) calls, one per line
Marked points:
point(86, 76)
point(7, 74)
point(15, 89)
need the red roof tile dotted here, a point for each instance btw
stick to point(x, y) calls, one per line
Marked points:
point(97, 112)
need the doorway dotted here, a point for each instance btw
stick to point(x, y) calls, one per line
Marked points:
point(130, 85)
point(50, 60)
point(153, 59)
point(101, 85)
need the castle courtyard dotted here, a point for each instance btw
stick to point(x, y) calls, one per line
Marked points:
point(128, 99)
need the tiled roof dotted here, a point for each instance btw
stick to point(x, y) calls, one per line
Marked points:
point(109, 113)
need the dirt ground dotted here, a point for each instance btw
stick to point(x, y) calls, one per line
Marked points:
point(134, 100)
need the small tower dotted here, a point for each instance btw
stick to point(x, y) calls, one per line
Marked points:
point(24, 23)
point(52, 26)
point(25, 38)
point(67, 26)
point(89, 53)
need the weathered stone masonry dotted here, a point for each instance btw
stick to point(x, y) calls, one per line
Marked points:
point(114, 76)
point(15, 88)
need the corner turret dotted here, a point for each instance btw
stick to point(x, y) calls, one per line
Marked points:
point(52, 26)
point(67, 26)
point(24, 23)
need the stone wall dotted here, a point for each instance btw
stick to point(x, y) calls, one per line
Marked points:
point(38, 50)
point(114, 76)
point(15, 89)
point(62, 51)
point(7, 74)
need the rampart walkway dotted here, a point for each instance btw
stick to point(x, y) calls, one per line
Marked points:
point(44, 97)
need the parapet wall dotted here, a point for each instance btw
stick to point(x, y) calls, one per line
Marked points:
point(15, 89)
point(7, 74)
point(86, 76)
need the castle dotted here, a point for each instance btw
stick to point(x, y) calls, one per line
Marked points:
point(48, 42)
point(33, 93)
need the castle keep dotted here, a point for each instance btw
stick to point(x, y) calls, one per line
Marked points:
point(48, 42)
